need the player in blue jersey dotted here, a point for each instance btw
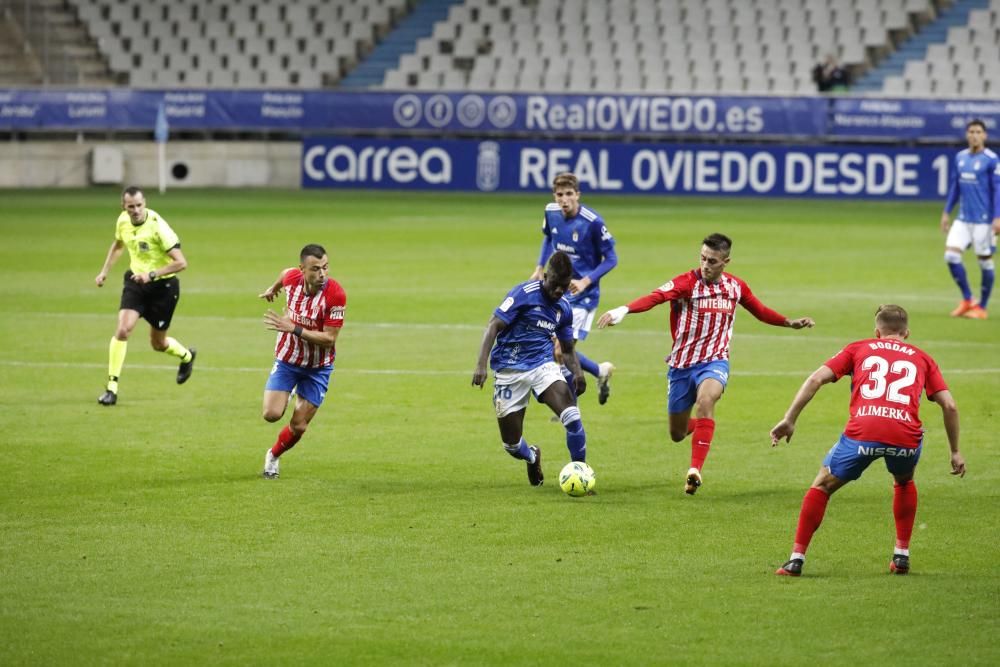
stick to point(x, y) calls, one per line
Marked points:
point(580, 232)
point(975, 182)
point(518, 344)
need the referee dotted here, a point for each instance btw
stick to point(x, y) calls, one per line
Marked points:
point(150, 290)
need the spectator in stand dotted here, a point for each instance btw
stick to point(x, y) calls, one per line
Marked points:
point(830, 77)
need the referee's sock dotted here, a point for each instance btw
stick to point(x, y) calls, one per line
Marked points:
point(116, 359)
point(175, 349)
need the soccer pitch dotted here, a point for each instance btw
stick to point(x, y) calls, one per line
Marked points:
point(400, 532)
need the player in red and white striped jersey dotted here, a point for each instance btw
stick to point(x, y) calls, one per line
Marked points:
point(702, 312)
point(306, 346)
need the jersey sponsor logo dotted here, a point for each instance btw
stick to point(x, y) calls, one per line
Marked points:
point(298, 318)
point(543, 324)
point(565, 247)
point(716, 304)
point(895, 347)
point(337, 312)
point(904, 452)
point(507, 303)
point(883, 412)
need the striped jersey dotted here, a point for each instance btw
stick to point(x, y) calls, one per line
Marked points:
point(702, 315)
point(314, 312)
point(975, 185)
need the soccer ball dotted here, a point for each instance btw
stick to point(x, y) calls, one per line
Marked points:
point(577, 479)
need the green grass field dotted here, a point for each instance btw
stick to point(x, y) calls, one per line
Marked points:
point(400, 532)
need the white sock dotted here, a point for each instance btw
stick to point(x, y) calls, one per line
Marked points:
point(797, 556)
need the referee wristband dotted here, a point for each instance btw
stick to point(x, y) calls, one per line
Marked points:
point(297, 331)
point(152, 275)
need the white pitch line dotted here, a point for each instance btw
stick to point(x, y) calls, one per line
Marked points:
point(264, 369)
point(788, 337)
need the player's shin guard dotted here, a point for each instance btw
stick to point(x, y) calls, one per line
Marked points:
point(576, 437)
point(904, 510)
point(520, 450)
point(810, 517)
point(286, 440)
point(116, 359)
point(588, 365)
point(957, 270)
point(701, 440)
point(989, 273)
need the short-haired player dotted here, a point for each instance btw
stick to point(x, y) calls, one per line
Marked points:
point(888, 377)
point(702, 314)
point(518, 344)
point(975, 185)
point(305, 348)
point(580, 232)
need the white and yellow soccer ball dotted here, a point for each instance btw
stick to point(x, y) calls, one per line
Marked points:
point(577, 479)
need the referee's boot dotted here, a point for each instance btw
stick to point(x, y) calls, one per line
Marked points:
point(108, 398)
point(184, 372)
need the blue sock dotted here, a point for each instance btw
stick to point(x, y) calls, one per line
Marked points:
point(520, 451)
point(576, 437)
point(984, 297)
point(958, 273)
point(588, 365)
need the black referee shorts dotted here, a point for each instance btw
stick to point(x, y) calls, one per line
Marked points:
point(154, 301)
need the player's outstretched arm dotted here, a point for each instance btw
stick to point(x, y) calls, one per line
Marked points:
point(612, 317)
point(949, 412)
point(274, 289)
point(786, 427)
point(493, 329)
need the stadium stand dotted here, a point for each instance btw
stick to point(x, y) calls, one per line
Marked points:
point(957, 54)
point(737, 46)
point(236, 43)
point(718, 46)
point(897, 47)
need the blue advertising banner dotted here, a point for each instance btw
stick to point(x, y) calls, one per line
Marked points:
point(648, 168)
point(305, 111)
point(546, 116)
point(916, 120)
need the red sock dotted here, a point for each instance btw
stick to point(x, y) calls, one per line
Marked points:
point(810, 517)
point(703, 430)
point(904, 509)
point(286, 440)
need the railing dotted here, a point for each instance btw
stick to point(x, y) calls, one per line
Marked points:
point(37, 29)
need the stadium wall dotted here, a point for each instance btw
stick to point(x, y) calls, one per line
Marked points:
point(70, 164)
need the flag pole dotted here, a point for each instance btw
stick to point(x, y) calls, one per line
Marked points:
point(161, 132)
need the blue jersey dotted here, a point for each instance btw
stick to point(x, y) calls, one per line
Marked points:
point(532, 318)
point(589, 244)
point(976, 177)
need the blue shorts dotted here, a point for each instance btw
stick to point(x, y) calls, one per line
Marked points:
point(309, 383)
point(682, 383)
point(847, 459)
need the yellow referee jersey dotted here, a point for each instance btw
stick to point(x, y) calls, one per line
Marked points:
point(147, 243)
